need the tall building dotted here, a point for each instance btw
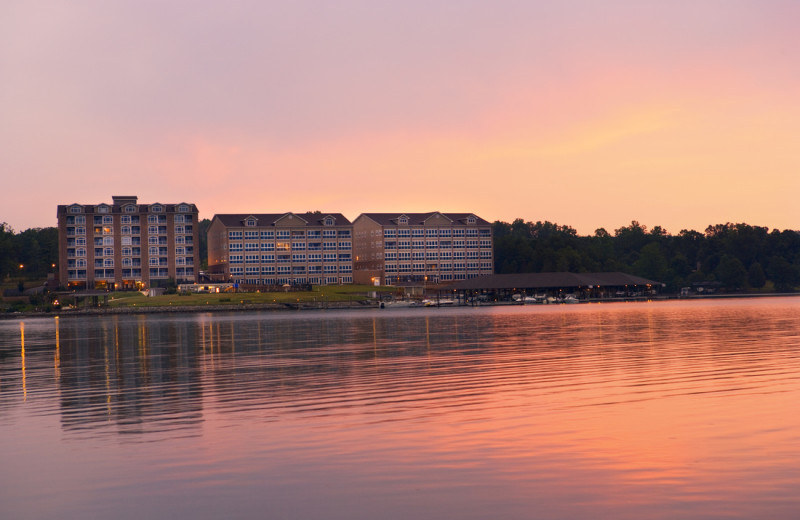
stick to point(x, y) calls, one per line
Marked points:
point(279, 249)
point(413, 248)
point(127, 245)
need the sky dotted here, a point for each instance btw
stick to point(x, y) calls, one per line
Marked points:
point(585, 113)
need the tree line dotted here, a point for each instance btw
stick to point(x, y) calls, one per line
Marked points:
point(736, 257)
point(29, 254)
point(733, 256)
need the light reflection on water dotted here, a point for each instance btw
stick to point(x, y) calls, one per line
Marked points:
point(662, 410)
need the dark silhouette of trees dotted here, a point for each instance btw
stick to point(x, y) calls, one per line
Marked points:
point(737, 256)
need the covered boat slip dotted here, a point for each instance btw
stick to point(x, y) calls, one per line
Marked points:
point(548, 287)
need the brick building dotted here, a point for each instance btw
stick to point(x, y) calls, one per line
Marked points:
point(414, 248)
point(281, 248)
point(127, 245)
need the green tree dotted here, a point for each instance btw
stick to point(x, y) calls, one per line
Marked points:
point(651, 263)
point(756, 277)
point(783, 274)
point(731, 272)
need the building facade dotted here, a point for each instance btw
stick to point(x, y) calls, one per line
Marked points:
point(127, 245)
point(280, 249)
point(418, 248)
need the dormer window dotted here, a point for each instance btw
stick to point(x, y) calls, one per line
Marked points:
point(329, 221)
point(403, 220)
point(102, 208)
point(156, 208)
point(130, 208)
point(75, 209)
point(471, 219)
point(251, 222)
point(183, 208)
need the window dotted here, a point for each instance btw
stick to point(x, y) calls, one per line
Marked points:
point(389, 233)
point(126, 230)
point(298, 258)
point(126, 251)
point(179, 230)
point(130, 208)
point(344, 233)
point(108, 241)
point(75, 209)
point(80, 219)
point(329, 221)
point(156, 208)
point(180, 250)
point(184, 208)
point(329, 233)
point(251, 246)
point(267, 235)
point(402, 220)
point(472, 232)
point(102, 208)
point(234, 235)
point(251, 222)
point(108, 262)
point(236, 246)
point(471, 219)
point(152, 251)
point(458, 232)
point(418, 232)
point(267, 258)
point(284, 233)
point(251, 259)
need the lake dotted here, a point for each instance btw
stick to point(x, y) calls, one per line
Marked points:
point(673, 409)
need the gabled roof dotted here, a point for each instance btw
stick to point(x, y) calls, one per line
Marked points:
point(551, 280)
point(418, 219)
point(270, 219)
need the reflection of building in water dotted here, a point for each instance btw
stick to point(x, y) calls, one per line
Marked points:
point(136, 374)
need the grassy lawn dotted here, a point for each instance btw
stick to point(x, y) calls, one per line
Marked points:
point(328, 293)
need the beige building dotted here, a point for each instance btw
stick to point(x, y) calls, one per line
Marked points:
point(127, 245)
point(414, 248)
point(280, 249)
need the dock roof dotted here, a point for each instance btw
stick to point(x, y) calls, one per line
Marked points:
point(550, 281)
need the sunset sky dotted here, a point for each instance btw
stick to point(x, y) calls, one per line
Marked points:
point(584, 113)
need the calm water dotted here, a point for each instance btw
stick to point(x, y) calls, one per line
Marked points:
point(659, 410)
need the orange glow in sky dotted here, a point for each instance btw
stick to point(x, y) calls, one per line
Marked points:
point(587, 114)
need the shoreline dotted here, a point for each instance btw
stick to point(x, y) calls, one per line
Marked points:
point(354, 305)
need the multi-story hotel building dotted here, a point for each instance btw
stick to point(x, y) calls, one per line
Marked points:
point(127, 245)
point(279, 249)
point(411, 248)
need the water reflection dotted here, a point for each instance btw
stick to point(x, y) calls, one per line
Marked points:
point(606, 411)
